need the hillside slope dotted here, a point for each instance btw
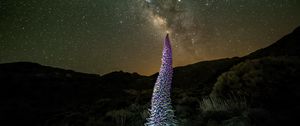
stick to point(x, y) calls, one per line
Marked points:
point(40, 95)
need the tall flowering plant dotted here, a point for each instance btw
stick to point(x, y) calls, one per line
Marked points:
point(161, 112)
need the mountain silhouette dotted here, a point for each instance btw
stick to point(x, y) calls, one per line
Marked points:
point(33, 94)
point(287, 46)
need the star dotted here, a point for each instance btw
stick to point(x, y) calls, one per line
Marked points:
point(96, 36)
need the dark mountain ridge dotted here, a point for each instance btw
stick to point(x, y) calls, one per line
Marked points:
point(289, 45)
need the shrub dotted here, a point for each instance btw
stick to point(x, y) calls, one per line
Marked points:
point(260, 80)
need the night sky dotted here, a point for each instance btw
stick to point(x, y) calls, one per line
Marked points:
point(101, 36)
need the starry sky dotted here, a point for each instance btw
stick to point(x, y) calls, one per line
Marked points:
point(101, 36)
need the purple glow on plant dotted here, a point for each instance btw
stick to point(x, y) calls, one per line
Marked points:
point(161, 107)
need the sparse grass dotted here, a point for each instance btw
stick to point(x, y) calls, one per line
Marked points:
point(212, 103)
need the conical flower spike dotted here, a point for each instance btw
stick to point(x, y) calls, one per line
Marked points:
point(161, 110)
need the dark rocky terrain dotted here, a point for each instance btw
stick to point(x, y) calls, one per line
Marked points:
point(259, 89)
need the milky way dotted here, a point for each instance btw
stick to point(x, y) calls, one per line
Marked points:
point(101, 36)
